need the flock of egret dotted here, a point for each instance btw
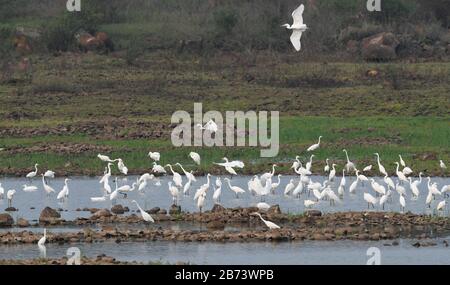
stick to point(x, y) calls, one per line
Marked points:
point(332, 189)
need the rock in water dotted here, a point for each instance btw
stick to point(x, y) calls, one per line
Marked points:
point(6, 220)
point(49, 215)
point(22, 223)
point(175, 210)
point(118, 209)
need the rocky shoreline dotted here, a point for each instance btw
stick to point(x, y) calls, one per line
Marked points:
point(99, 260)
point(311, 225)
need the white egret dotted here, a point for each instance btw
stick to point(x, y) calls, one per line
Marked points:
point(441, 206)
point(350, 166)
point(195, 157)
point(145, 216)
point(309, 163)
point(402, 202)
point(122, 168)
point(309, 203)
point(402, 162)
point(361, 177)
point(370, 200)
point(2, 191)
point(383, 200)
point(268, 175)
point(10, 196)
point(289, 187)
point(314, 146)
point(64, 193)
point(298, 189)
point(276, 184)
point(389, 182)
point(327, 166)
point(297, 27)
point(188, 175)
point(174, 192)
point(332, 173)
point(201, 202)
point(104, 158)
point(296, 163)
point(380, 167)
point(353, 186)
point(187, 187)
point(47, 188)
point(367, 168)
point(43, 239)
point(107, 175)
point(407, 171)
point(269, 224)
point(49, 174)
point(442, 165)
point(176, 177)
point(33, 174)
point(98, 199)
point(156, 156)
point(217, 193)
point(158, 168)
point(414, 187)
point(237, 190)
point(262, 206)
point(400, 174)
point(27, 188)
point(204, 188)
point(343, 180)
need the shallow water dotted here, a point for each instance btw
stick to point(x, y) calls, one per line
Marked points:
point(82, 188)
point(309, 252)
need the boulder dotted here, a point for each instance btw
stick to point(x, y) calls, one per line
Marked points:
point(11, 209)
point(22, 223)
point(6, 220)
point(49, 215)
point(275, 209)
point(218, 208)
point(381, 46)
point(118, 209)
point(313, 213)
point(174, 210)
point(215, 225)
point(153, 210)
point(101, 213)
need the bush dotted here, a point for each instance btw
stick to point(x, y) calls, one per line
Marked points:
point(225, 21)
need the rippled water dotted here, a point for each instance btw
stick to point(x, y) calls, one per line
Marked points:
point(309, 252)
point(81, 189)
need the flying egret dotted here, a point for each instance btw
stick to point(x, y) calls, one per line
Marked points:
point(237, 190)
point(33, 174)
point(381, 167)
point(104, 158)
point(195, 157)
point(9, 196)
point(314, 146)
point(156, 156)
point(350, 166)
point(297, 27)
point(269, 224)
point(43, 239)
point(176, 177)
point(145, 216)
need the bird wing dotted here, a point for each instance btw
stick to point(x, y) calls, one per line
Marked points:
point(297, 15)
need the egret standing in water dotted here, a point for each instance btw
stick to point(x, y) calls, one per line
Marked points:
point(269, 224)
point(297, 27)
point(9, 196)
point(145, 216)
point(43, 239)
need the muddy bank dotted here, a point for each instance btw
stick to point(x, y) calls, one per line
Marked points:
point(99, 260)
point(312, 225)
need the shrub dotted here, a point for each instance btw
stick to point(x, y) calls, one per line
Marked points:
point(225, 21)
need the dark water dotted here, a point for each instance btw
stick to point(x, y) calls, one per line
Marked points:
point(81, 189)
point(338, 252)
